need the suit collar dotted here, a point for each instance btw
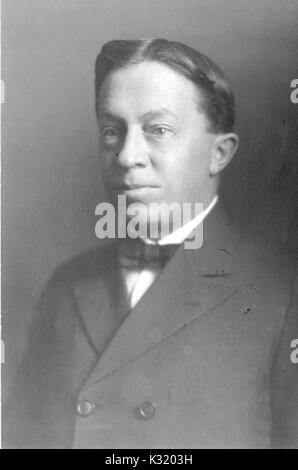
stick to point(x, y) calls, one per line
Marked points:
point(186, 289)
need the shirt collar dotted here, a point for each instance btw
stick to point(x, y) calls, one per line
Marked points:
point(181, 234)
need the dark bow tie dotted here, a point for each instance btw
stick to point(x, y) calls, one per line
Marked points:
point(140, 254)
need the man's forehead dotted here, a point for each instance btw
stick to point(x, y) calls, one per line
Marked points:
point(147, 87)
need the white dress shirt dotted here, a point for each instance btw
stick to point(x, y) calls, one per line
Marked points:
point(138, 280)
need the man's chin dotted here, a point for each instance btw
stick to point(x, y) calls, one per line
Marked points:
point(148, 224)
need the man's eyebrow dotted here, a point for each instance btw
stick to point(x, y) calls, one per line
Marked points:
point(103, 113)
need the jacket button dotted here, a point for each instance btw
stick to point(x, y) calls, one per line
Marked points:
point(146, 410)
point(85, 408)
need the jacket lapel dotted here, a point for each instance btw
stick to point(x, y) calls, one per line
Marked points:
point(192, 283)
point(102, 302)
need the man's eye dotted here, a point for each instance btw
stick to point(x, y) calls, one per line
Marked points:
point(111, 135)
point(161, 131)
point(110, 132)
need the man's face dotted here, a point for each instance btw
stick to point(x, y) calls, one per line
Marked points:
point(154, 142)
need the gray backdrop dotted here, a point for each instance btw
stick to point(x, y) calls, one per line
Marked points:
point(51, 179)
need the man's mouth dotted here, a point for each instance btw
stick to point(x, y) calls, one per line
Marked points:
point(134, 190)
point(138, 190)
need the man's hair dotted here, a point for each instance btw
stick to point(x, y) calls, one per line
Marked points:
point(217, 100)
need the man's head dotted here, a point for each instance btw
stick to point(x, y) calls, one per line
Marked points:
point(166, 116)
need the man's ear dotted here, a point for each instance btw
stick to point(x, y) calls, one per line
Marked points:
point(224, 148)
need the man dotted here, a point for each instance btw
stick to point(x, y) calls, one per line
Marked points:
point(144, 343)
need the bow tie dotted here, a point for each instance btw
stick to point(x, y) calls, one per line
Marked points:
point(139, 254)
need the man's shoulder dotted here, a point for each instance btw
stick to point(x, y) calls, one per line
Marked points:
point(250, 252)
point(266, 260)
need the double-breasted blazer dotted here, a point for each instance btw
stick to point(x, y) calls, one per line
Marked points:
point(202, 361)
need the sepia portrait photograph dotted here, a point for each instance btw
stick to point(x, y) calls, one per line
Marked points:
point(149, 260)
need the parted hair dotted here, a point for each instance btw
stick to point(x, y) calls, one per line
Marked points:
point(216, 97)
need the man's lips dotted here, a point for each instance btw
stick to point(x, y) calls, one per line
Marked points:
point(134, 190)
point(128, 187)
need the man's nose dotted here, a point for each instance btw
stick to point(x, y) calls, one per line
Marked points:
point(133, 151)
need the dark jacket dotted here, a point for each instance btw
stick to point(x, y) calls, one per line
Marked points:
point(202, 361)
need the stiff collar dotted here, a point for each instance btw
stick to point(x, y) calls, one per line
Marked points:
point(182, 233)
